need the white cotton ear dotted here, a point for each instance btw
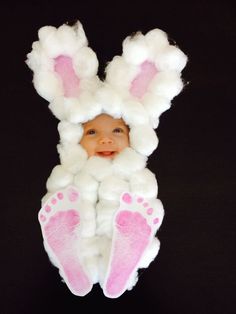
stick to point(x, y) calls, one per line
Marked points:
point(143, 139)
point(171, 58)
point(85, 63)
point(135, 50)
point(59, 178)
point(119, 75)
point(58, 108)
point(72, 157)
point(64, 67)
point(155, 105)
point(62, 41)
point(70, 132)
point(149, 65)
point(156, 39)
point(47, 84)
point(166, 84)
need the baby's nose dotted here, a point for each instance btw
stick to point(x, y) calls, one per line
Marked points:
point(105, 140)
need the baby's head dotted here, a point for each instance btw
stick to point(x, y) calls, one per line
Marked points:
point(105, 136)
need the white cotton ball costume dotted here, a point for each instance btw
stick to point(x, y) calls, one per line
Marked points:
point(139, 86)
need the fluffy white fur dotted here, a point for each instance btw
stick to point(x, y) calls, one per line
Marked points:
point(59, 178)
point(138, 139)
point(101, 181)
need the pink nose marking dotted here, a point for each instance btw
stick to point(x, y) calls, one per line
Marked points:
point(139, 199)
point(145, 204)
point(150, 211)
point(127, 198)
point(60, 196)
point(73, 195)
point(54, 201)
point(155, 221)
point(47, 208)
point(42, 217)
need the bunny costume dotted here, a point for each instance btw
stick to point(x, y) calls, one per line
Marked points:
point(99, 217)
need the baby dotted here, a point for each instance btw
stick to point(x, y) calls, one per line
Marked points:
point(101, 213)
point(105, 136)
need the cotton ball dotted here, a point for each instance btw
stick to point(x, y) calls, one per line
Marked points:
point(45, 33)
point(128, 161)
point(47, 84)
point(98, 167)
point(88, 219)
point(70, 132)
point(87, 186)
point(109, 100)
point(119, 74)
point(85, 63)
point(166, 84)
point(58, 108)
point(134, 113)
point(171, 58)
point(143, 139)
point(105, 213)
point(135, 49)
point(155, 105)
point(82, 109)
point(143, 183)
point(112, 187)
point(72, 157)
point(59, 178)
point(156, 40)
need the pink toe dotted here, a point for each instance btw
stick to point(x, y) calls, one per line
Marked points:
point(155, 221)
point(60, 196)
point(127, 198)
point(47, 208)
point(54, 201)
point(139, 199)
point(150, 211)
point(42, 217)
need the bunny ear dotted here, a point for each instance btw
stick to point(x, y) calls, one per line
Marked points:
point(149, 71)
point(64, 66)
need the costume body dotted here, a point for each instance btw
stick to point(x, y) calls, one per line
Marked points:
point(109, 207)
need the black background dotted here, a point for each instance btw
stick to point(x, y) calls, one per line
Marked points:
point(194, 162)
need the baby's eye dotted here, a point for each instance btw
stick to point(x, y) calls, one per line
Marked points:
point(90, 132)
point(118, 130)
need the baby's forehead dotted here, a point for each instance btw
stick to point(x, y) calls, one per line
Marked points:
point(104, 120)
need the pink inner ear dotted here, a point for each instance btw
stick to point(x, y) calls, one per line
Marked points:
point(140, 84)
point(64, 68)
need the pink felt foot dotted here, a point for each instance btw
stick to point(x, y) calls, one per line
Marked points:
point(135, 225)
point(60, 222)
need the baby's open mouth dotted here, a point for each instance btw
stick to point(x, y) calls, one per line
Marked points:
point(107, 154)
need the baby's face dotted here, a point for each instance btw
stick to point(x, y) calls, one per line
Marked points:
point(105, 136)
